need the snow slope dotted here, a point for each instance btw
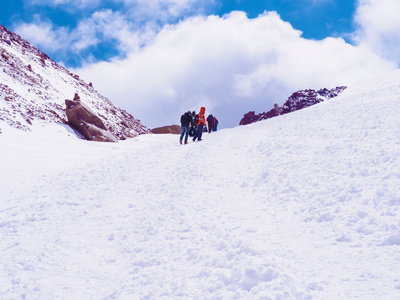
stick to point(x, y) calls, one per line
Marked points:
point(302, 206)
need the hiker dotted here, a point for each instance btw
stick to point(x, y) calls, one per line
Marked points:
point(201, 123)
point(193, 124)
point(210, 121)
point(186, 119)
point(215, 123)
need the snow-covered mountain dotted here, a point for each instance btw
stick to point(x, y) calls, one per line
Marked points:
point(33, 89)
point(302, 206)
point(298, 100)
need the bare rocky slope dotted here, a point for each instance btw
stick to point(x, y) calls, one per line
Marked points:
point(33, 88)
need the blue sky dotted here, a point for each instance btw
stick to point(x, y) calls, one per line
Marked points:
point(317, 19)
point(159, 58)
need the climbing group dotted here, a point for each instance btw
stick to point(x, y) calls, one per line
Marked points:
point(212, 123)
point(193, 125)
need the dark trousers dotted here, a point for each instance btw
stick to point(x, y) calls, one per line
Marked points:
point(199, 132)
point(210, 127)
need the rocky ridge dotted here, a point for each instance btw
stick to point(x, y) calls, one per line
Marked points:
point(33, 89)
point(297, 101)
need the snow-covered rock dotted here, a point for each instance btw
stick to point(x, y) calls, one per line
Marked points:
point(33, 89)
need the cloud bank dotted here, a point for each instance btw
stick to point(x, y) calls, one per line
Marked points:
point(379, 27)
point(172, 58)
point(229, 64)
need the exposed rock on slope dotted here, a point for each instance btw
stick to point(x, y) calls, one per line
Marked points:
point(172, 129)
point(85, 121)
point(296, 101)
point(33, 89)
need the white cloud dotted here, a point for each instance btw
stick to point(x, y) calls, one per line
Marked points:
point(140, 10)
point(71, 4)
point(43, 34)
point(321, 1)
point(102, 26)
point(379, 27)
point(128, 28)
point(231, 65)
point(106, 25)
point(172, 8)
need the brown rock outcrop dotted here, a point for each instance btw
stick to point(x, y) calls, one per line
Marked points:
point(85, 121)
point(171, 129)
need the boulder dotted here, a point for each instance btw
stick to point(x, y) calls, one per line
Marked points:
point(85, 121)
point(171, 129)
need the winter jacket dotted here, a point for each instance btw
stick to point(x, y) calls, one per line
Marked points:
point(186, 119)
point(194, 121)
point(202, 118)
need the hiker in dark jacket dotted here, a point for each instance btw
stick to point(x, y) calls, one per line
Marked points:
point(210, 121)
point(193, 125)
point(186, 119)
point(193, 117)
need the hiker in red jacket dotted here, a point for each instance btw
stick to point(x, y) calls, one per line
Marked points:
point(200, 124)
point(215, 124)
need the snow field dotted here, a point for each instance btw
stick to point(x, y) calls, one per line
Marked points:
point(302, 206)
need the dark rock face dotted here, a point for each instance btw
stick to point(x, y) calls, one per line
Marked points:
point(171, 129)
point(33, 89)
point(85, 121)
point(297, 101)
